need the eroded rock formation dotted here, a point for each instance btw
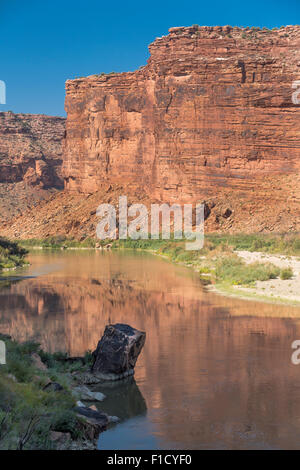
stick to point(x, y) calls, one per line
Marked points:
point(30, 159)
point(31, 149)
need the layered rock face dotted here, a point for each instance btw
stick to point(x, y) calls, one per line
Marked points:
point(211, 113)
point(30, 161)
point(31, 149)
point(213, 116)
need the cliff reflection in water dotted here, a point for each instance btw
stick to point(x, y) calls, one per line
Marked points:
point(123, 399)
point(215, 372)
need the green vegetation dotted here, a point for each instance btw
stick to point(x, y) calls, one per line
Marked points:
point(58, 242)
point(235, 271)
point(288, 244)
point(28, 413)
point(286, 273)
point(11, 254)
point(217, 258)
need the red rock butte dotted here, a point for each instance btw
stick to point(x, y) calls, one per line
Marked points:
point(211, 111)
point(210, 117)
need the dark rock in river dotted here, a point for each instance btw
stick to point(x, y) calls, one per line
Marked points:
point(117, 351)
point(92, 422)
point(82, 392)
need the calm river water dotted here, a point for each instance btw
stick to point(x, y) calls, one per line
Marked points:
point(215, 372)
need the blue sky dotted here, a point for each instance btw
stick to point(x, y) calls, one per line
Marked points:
point(44, 43)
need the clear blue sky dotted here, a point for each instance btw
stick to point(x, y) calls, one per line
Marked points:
point(44, 42)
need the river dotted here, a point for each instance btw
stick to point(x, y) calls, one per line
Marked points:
point(215, 372)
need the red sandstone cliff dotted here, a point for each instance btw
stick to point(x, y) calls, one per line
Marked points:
point(212, 110)
point(210, 117)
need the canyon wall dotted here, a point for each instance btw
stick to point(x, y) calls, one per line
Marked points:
point(211, 112)
point(31, 154)
point(31, 149)
point(210, 117)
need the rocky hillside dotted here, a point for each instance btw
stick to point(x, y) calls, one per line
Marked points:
point(30, 159)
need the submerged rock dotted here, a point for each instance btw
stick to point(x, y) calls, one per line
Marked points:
point(118, 351)
point(114, 419)
point(92, 422)
point(87, 378)
point(80, 404)
point(83, 393)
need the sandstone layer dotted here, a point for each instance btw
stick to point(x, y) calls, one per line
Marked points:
point(211, 111)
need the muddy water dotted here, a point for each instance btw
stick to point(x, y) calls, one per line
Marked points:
point(215, 372)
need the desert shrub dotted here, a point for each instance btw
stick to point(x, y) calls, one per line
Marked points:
point(184, 256)
point(286, 273)
point(19, 363)
point(283, 243)
point(204, 270)
point(27, 412)
point(66, 421)
point(235, 271)
point(11, 254)
point(296, 245)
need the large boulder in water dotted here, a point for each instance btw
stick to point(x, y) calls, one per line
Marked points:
point(117, 351)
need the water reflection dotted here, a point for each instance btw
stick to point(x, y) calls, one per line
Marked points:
point(123, 399)
point(137, 433)
point(215, 372)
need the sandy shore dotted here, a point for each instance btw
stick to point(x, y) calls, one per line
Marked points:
point(274, 289)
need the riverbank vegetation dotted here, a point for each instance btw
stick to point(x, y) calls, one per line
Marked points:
point(288, 244)
point(58, 242)
point(31, 409)
point(11, 254)
point(218, 260)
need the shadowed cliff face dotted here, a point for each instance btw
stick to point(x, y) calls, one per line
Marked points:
point(211, 112)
